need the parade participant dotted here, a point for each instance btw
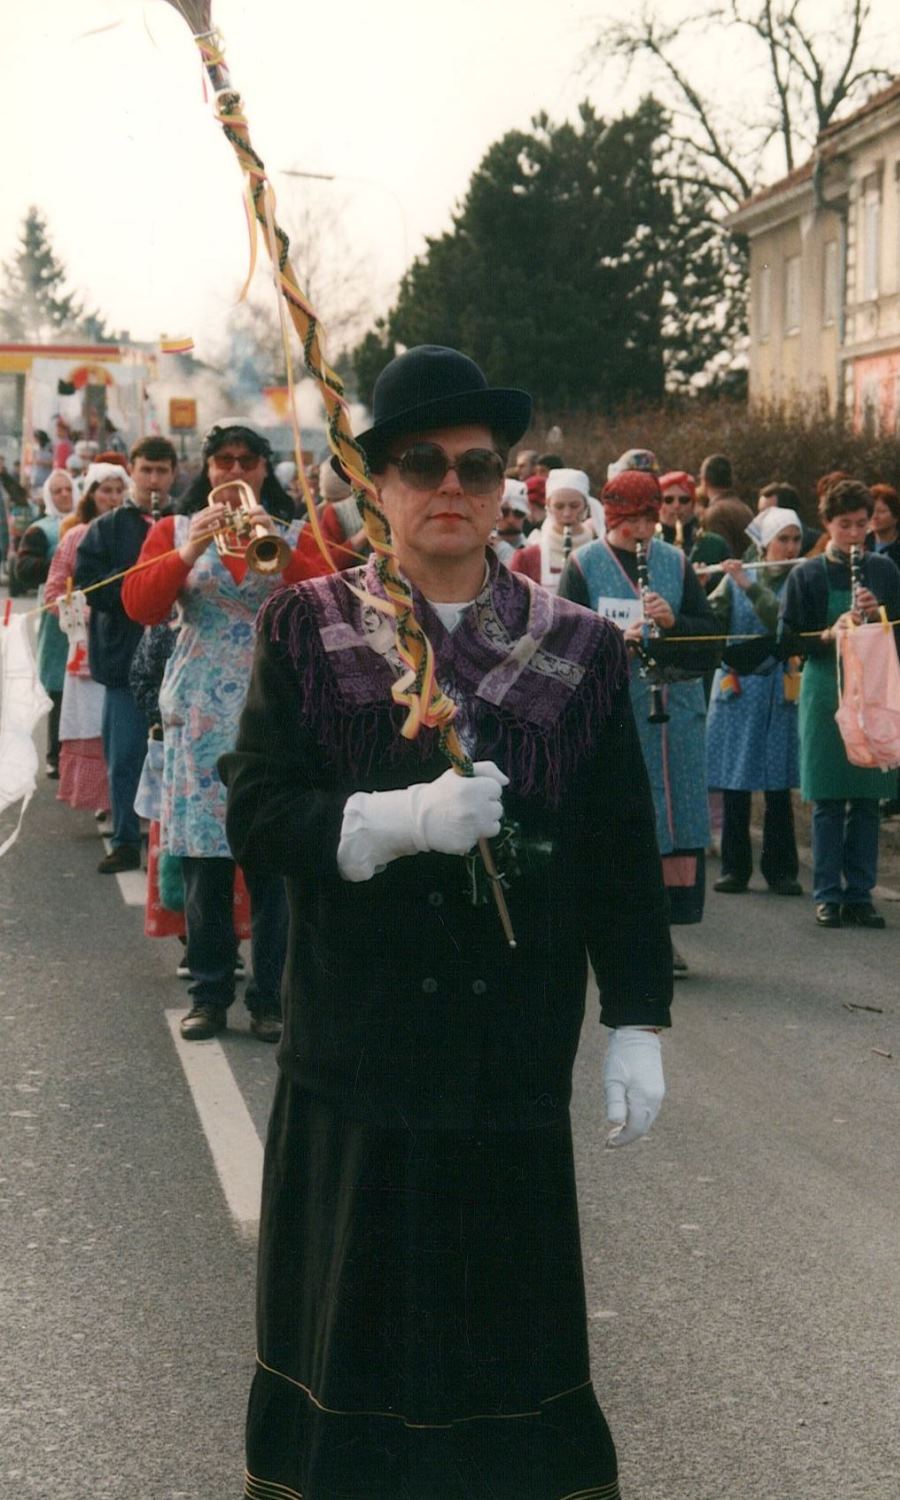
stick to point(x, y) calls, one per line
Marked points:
point(567, 527)
point(884, 533)
point(83, 779)
point(604, 577)
point(751, 734)
point(200, 702)
point(111, 546)
point(33, 560)
point(677, 520)
point(817, 598)
point(341, 521)
point(536, 490)
point(510, 529)
point(421, 1301)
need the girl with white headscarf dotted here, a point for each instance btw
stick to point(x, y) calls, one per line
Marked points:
point(33, 559)
point(565, 528)
point(752, 737)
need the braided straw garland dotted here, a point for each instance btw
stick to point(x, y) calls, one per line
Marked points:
point(418, 690)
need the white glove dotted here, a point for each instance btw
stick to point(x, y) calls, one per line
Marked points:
point(633, 1083)
point(447, 816)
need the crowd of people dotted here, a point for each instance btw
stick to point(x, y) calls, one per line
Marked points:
point(729, 686)
point(629, 667)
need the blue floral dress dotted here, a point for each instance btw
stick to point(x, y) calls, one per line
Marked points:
point(202, 695)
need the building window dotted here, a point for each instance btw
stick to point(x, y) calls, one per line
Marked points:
point(792, 294)
point(830, 282)
point(763, 307)
point(871, 242)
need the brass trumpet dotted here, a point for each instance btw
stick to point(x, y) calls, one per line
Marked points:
point(238, 536)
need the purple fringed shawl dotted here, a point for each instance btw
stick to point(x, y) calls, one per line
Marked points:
point(534, 675)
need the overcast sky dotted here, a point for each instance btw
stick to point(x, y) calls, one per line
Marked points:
point(108, 133)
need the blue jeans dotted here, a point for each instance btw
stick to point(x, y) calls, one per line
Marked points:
point(211, 943)
point(124, 746)
point(845, 850)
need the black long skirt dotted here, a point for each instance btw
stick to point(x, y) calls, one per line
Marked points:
point(422, 1331)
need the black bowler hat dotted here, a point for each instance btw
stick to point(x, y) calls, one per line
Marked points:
point(431, 386)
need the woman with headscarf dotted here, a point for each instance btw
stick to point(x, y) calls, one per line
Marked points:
point(751, 739)
point(202, 694)
point(83, 781)
point(565, 528)
point(36, 550)
point(603, 576)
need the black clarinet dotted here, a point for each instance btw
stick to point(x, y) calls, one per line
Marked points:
point(657, 714)
point(155, 510)
point(567, 544)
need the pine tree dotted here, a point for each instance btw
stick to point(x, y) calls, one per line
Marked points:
point(35, 305)
point(577, 266)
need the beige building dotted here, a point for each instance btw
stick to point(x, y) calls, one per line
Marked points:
point(825, 269)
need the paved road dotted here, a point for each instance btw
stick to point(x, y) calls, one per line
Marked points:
point(742, 1263)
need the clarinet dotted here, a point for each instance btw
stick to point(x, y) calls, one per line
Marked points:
point(657, 714)
point(155, 511)
point(567, 544)
point(856, 578)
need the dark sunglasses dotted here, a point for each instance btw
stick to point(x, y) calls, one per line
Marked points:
point(245, 461)
point(425, 466)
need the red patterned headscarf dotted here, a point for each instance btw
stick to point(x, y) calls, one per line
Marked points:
point(628, 495)
point(682, 479)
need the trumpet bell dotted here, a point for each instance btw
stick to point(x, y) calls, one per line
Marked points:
point(263, 551)
point(267, 554)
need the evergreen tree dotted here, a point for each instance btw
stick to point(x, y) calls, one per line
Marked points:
point(577, 265)
point(35, 305)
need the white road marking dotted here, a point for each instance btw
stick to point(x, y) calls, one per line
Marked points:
point(236, 1149)
point(133, 885)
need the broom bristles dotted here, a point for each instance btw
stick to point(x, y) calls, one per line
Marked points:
point(197, 13)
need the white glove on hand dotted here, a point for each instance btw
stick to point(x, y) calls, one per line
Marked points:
point(447, 816)
point(633, 1083)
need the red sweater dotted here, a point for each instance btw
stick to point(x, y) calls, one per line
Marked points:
point(149, 595)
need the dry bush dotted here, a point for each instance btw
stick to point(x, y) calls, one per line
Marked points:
point(794, 443)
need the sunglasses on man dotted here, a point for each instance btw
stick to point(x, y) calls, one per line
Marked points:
point(425, 466)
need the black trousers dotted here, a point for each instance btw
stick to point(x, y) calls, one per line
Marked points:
point(779, 848)
point(211, 947)
point(53, 729)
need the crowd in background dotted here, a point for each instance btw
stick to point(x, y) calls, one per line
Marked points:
point(732, 652)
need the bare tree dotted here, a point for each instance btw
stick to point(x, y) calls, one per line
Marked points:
point(335, 277)
point(813, 68)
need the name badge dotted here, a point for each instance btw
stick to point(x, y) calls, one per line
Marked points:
point(622, 612)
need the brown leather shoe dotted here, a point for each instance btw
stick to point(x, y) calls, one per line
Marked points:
point(123, 857)
point(203, 1022)
point(266, 1026)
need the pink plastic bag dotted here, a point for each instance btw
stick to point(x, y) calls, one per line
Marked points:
point(868, 715)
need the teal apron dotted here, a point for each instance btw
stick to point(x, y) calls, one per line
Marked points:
point(825, 772)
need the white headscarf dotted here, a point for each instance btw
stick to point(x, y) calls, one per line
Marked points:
point(50, 506)
point(98, 472)
point(567, 479)
point(769, 524)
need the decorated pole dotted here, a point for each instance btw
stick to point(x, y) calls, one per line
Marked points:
point(417, 690)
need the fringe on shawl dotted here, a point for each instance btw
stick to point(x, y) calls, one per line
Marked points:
point(357, 738)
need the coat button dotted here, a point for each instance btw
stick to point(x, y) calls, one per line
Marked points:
point(479, 987)
point(435, 898)
point(429, 986)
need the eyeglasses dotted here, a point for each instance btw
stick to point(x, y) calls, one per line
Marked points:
point(425, 466)
point(245, 461)
point(510, 510)
point(677, 499)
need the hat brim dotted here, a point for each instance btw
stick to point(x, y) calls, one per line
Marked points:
point(504, 411)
